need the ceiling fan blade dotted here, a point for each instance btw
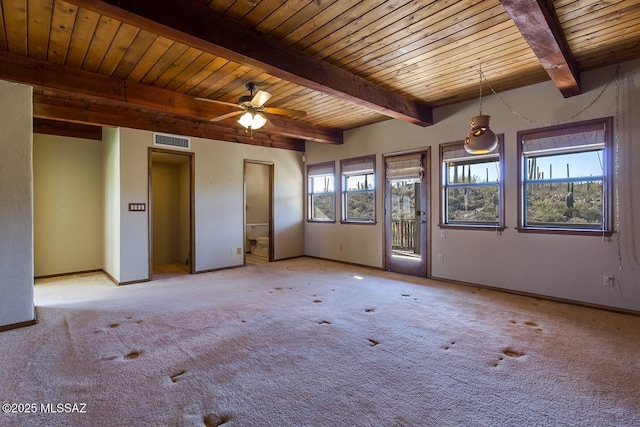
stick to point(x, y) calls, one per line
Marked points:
point(284, 112)
point(226, 116)
point(218, 102)
point(260, 98)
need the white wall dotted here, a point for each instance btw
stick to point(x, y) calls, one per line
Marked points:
point(570, 267)
point(111, 193)
point(219, 204)
point(257, 193)
point(68, 204)
point(16, 205)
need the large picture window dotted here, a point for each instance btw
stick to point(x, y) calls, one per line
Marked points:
point(321, 199)
point(565, 178)
point(472, 187)
point(358, 190)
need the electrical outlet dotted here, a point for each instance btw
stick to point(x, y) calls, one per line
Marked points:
point(440, 258)
point(340, 246)
point(375, 249)
point(609, 280)
point(232, 251)
point(443, 234)
point(238, 251)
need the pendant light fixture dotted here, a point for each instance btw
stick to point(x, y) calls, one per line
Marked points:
point(481, 139)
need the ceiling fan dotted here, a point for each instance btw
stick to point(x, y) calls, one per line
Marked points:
point(251, 107)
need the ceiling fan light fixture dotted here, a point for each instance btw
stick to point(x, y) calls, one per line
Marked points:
point(481, 139)
point(258, 121)
point(252, 120)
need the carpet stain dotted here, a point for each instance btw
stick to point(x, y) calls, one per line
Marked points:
point(324, 322)
point(448, 346)
point(175, 377)
point(512, 353)
point(114, 325)
point(531, 324)
point(369, 310)
point(317, 301)
point(513, 321)
point(278, 289)
point(373, 342)
point(406, 295)
point(133, 355)
point(213, 420)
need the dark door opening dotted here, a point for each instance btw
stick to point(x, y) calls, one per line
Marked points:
point(171, 216)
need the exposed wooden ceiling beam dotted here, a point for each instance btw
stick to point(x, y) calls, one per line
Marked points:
point(73, 81)
point(59, 128)
point(199, 26)
point(539, 25)
point(51, 108)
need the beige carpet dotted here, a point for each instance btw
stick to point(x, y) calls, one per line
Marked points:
point(305, 342)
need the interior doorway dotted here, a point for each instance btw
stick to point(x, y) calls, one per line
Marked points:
point(171, 213)
point(258, 212)
point(407, 208)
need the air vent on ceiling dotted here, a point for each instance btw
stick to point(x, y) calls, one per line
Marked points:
point(172, 141)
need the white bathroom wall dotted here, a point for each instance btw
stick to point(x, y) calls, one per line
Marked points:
point(16, 206)
point(68, 204)
point(257, 193)
point(562, 266)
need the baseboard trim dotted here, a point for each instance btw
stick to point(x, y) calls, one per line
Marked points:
point(50, 276)
point(19, 324)
point(110, 277)
point(133, 282)
point(355, 264)
point(542, 297)
point(213, 270)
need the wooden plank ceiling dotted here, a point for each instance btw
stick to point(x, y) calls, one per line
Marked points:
point(347, 63)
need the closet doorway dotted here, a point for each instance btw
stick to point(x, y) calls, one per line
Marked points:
point(171, 213)
point(258, 212)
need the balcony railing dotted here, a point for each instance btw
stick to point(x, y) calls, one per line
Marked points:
point(403, 235)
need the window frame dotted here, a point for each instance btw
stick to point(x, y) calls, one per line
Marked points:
point(310, 194)
point(607, 177)
point(344, 191)
point(444, 222)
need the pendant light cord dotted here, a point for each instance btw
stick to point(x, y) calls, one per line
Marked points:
point(510, 108)
point(481, 75)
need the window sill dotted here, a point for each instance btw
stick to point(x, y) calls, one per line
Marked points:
point(473, 227)
point(319, 221)
point(359, 222)
point(565, 231)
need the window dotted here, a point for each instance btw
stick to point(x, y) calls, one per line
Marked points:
point(565, 178)
point(472, 187)
point(321, 199)
point(358, 190)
